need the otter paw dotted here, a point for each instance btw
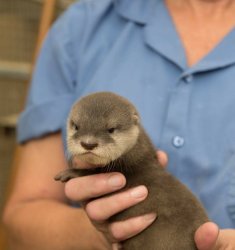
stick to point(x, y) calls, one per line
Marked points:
point(66, 175)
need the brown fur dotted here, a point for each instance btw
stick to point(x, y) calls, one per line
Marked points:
point(179, 213)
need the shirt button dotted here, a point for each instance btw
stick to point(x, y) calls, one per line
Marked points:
point(188, 78)
point(178, 141)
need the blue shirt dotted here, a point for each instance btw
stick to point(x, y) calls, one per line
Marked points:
point(132, 48)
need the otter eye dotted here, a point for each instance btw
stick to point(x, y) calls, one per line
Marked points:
point(74, 126)
point(111, 130)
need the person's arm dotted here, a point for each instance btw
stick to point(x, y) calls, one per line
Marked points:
point(36, 214)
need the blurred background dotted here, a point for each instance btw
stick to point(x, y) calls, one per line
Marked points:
point(23, 24)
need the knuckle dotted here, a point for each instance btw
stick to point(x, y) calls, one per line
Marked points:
point(93, 212)
point(116, 231)
point(97, 187)
point(70, 190)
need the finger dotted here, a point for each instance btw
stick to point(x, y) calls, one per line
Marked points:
point(92, 186)
point(162, 158)
point(206, 236)
point(123, 230)
point(226, 239)
point(103, 208)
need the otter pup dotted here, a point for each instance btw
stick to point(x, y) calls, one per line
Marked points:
point(104, 130)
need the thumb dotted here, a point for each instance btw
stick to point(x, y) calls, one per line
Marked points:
point(162, 158)
point(206, 236)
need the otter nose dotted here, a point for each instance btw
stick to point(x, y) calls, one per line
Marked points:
point(89, 146)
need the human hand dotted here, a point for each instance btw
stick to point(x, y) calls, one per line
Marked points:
point(210, 237)
point(101, 209)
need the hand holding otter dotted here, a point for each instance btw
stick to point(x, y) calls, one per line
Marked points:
point(207, 237)
point(97, 185)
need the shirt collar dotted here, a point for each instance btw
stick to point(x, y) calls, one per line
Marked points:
point(161, 35)
point(166, 41)
point(138, 11)
point(162, 40)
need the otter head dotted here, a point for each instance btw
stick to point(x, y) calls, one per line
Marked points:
point(102, 127)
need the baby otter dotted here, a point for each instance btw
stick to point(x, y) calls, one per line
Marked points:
point(104, 130)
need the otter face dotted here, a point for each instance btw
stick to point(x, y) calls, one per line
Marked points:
point(100, 130)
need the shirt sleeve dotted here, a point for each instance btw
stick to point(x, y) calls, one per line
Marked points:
point(53, 85)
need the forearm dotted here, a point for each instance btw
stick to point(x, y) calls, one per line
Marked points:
point(48, 224)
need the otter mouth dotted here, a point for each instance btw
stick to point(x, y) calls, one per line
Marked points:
point(88, 160)
point(89, 153)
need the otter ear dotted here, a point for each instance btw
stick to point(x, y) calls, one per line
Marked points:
point(136, 118)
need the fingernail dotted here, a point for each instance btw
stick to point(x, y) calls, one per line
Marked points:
point(115, 181)
point(150, 217)
point(139, 192)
